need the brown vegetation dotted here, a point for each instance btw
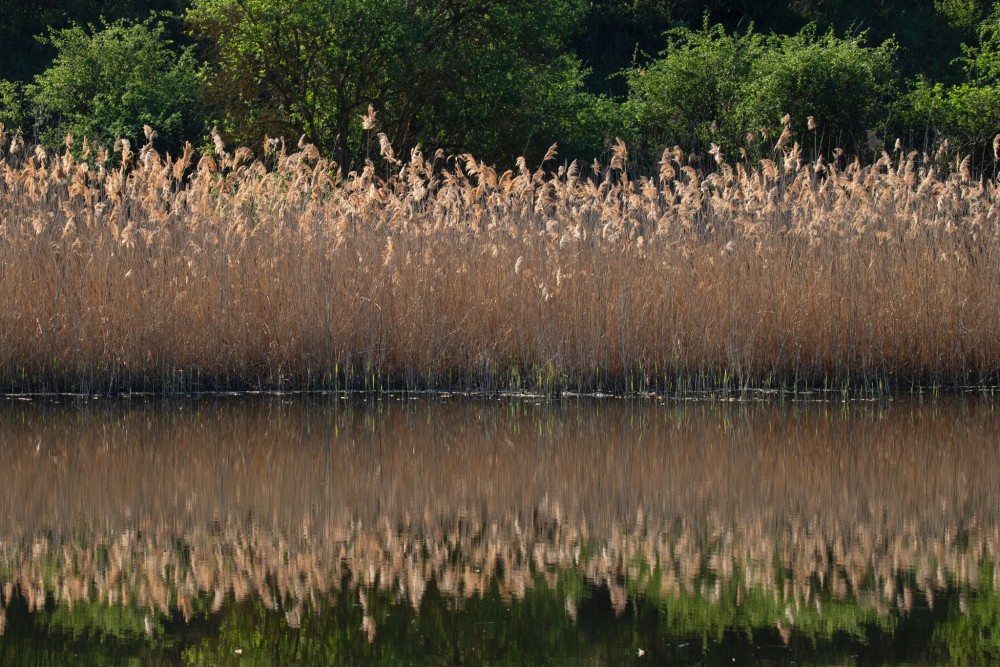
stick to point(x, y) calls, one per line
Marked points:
point(281, 500)
point(226, 272)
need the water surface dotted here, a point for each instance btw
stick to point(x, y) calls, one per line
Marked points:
point(276, 530)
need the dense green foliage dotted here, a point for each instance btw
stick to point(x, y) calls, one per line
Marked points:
point(501, 79)
point(968, 112)
point(710, 86)
point(22, 56)
point(476, 75)
point(110, 82)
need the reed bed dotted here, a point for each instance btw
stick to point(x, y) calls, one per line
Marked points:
point(138, 271)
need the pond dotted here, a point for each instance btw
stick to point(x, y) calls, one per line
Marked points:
point(434, 530)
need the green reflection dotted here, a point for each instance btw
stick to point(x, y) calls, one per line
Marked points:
point(561, 619)
point(971, 632)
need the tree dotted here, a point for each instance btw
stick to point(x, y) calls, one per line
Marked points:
point(460, 75)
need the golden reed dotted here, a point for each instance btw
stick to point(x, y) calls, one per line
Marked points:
point(176, 274)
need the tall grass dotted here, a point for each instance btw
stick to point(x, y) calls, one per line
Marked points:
point(157, 273)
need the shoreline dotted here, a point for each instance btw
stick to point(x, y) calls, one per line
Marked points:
point(707, 396)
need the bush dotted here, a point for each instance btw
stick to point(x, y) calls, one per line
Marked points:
point(108, 82)
point(709, 86)
point(966, 114)
point(14, 114)
point(689, 96)
point(847, 87)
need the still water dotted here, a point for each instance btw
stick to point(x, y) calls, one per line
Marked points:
point(275, 530)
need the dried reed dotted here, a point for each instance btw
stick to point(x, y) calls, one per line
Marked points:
point(181, 274)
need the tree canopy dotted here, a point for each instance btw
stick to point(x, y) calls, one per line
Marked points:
point(470, 75)
point(500, 78)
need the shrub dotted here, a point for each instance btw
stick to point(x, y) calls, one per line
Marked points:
point(968, 113)
point(689, 96)
point(14, 112)
point(710, 86)
point(846, 86)
point(108, 82)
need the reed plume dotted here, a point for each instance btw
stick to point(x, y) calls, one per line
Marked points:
point(142, 271)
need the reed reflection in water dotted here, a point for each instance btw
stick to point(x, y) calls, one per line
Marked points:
point(155, 506)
